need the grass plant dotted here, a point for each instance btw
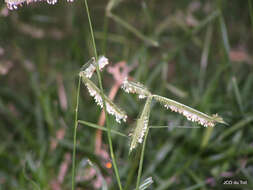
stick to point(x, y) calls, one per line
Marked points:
point(189, 58)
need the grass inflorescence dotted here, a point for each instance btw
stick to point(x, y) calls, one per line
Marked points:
point(181, 53)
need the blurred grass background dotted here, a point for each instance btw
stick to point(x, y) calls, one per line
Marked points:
point(204, 60)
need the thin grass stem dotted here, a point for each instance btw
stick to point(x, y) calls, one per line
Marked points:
point(251, 13)
point(104, 104)
point(237, 94)
point(141, 161)
point(166, 126)
point(101, 128)
point(91, 31)
point(74, 139)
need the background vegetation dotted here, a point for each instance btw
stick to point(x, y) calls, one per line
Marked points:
point(203, 59)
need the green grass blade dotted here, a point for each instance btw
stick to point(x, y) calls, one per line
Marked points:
point(237, 94)
point(236, 127)
point(176, 91)
point(206, 21)
point(204, 57)
point(224, 34)
point(251, 12)
point(133, 30)
point(206, 137)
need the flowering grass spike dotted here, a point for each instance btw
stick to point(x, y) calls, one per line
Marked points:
point(135, 88)
point(190, 113)
point(95, 92)
point(14, 4)
point(102, 62)
point(142, 125)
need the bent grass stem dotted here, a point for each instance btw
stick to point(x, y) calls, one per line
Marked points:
point(74, 139)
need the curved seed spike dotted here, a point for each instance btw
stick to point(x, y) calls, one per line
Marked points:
point(95, 92)
point(90, 67)
point(190, 113)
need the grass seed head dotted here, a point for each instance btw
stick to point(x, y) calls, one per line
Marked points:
point(142, 125)
point(14, 4)
point(135, 88)
point(95, 92)
point(102, 62)
point(190, 113)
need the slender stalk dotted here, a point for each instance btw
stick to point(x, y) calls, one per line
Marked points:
point(74, 139)
point(237, 94)
point(104, 44)
point(251, 13)
point(101, 128)
point(91, 31)
point(104, 105)
point(166, 126)
point(141, 161)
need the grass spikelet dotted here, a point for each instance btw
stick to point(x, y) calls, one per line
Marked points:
point(135, 88)
point(142, 125)
point(14, 4)
point(95, 92)
point(190, 113)
point(90, 67)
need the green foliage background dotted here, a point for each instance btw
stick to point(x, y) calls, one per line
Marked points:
point(46, 44)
